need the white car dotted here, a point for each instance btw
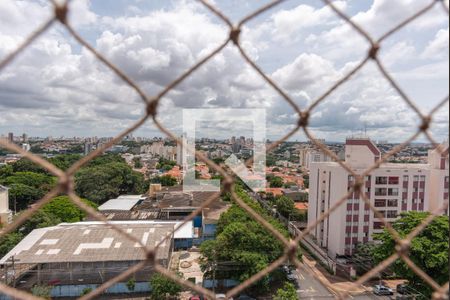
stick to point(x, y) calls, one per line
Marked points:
point(382, 290)
point(222, 296)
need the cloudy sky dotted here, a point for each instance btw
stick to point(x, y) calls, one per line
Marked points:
point(57, 88)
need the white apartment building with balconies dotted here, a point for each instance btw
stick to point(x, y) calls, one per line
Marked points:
point(392, 189)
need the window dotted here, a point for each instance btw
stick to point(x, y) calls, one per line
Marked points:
point(421, 201)
point(422, 177)
point(393, 180)
point(367, 189)
point(391, 214)
point(349, 212)
point(392, 202)
point(415, 190)
point(348, 224)
point(354, 234)
point(380, 202)
point(416, 177)
point(382, 212)
point(378, 225)
point(380, 192)
point(393, 192)
point(347, 234)
point(367, 212)
point(421, 190)
point(366, 223)
point(380, 180)
point(367, 178)
point(404, 201)
point(405, 190)
point(405, 178)
point(350, 177)
point(446, 179)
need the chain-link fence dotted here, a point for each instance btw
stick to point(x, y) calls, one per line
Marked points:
point(66, 180)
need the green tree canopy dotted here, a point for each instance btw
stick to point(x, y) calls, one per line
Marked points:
point(163, 288)
point(22, 195)
point(429, 250)
point(65, 210)
point(288, 292)
point(243, 244)
point(276, 182)
point(8, 242)
point(101, 182)
point(39, 219)
point(26, 165)
point(65, 161)
point(32, 179)
point(165, 180)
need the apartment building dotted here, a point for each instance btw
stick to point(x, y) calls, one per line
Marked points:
point(392, 189)
point(307, 156)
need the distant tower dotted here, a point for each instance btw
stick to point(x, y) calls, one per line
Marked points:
point(233, 140)
point(11, 137)
point(88, 147)
point(24, 138)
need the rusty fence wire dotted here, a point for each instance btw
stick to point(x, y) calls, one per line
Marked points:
point(66, 178)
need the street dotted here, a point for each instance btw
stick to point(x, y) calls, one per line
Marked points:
point(312, 288)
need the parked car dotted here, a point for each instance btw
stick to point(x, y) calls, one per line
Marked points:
point(382, 290)
point(245, 297)
point(222, 296)
point(402, 289)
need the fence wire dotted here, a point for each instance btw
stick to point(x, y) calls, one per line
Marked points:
point(66, 178)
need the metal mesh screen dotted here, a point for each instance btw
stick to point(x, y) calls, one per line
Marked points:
point(151, 102)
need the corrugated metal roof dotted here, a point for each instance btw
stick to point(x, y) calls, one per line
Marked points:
point(124, 202)
point(94, 241)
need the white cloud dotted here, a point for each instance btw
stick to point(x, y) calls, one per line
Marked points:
point(62, 89)
point(438, 47)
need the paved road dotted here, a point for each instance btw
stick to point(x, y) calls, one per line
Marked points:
point(312, 288)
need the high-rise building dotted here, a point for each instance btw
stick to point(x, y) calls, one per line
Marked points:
point(24, 138)
point(233, 140)
point(392, 188)
point(88, 147)
point(11, 137)
point(242, 140)
point(5, 213)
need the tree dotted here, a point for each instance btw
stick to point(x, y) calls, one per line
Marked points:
point(65, 210)
point(276, 182)
point(137, 162)
point(22, 195)
point(285, 206)
point(42, 291)
point(6, 171)
point(26, 165)
point(288, 292)
point(65, 161)
point(306, 181)
point(104, 180)
point(37, 180)
point(165, 180)
point(429, 249)
point(131, 284)
point(163, 288)
point(241, 242)
point(9, 241)
point(39, 219)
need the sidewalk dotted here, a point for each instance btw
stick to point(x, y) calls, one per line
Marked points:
point(336, 283)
